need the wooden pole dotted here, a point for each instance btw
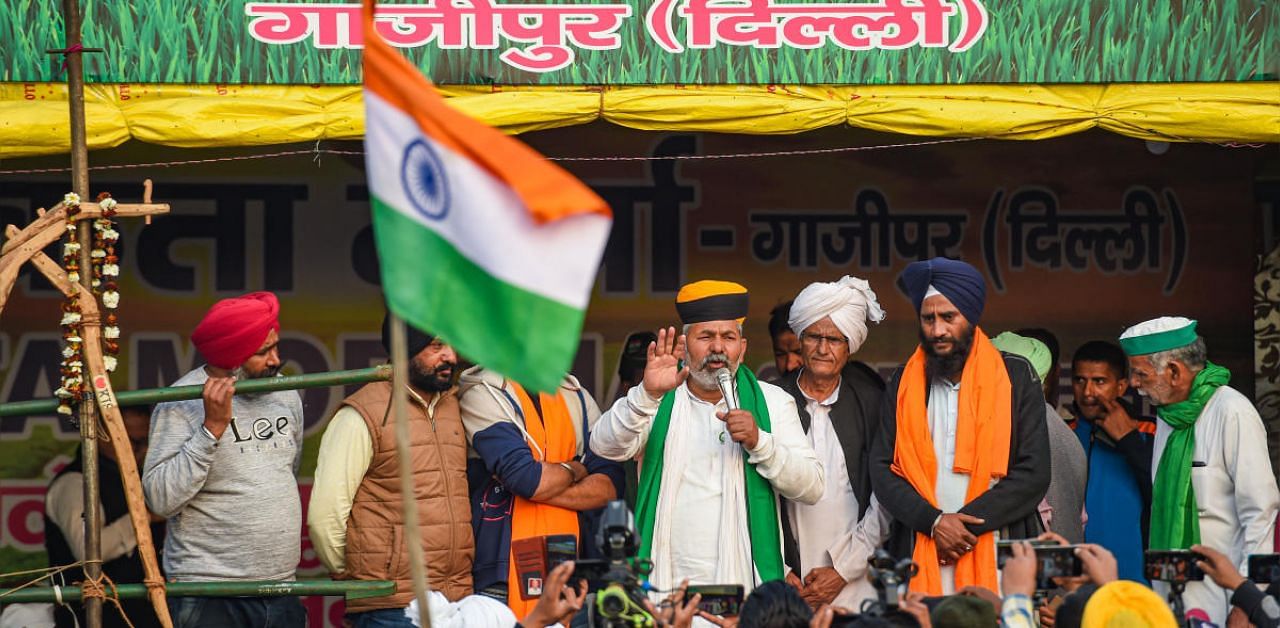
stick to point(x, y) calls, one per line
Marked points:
point(399, 406)
point(84, 235)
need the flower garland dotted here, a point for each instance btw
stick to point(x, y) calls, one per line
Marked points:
point(72, 368)
point(105, 269)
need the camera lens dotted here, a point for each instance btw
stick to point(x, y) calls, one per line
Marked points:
point(611, 605)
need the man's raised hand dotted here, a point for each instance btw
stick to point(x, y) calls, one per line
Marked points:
point(662, 371)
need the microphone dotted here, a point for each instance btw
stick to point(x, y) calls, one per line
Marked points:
point(725, 380)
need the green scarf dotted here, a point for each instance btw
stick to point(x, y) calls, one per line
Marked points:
point(762, 513)
point(1175, 522)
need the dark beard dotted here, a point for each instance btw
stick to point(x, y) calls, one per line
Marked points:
point(948, 366)
point(430, 380)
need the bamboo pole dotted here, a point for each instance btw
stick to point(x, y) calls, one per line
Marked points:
point(399, 406)
point(351, 589)
point(84, 235)
point(150, 396)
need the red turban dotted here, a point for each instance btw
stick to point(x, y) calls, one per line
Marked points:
point(234, 329)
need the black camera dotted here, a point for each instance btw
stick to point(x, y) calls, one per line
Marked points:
point(887, 575)
point(616, 578)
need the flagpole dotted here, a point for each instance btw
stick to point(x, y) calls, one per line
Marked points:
point(400, 406)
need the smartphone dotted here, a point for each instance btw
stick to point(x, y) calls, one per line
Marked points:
point(1052, 561)
point(717, 599)
point(1264, 568)
point(561, 548)
point(1004, 549)
point(1177, 566)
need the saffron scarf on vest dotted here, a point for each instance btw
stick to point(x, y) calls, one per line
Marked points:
point(552, 430)
point(1175, 516)
point(761, 503)
point(983, 428)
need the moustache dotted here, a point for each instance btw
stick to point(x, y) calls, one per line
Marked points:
point(713, 357)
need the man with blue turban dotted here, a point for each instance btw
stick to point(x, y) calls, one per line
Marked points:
point(963, 452)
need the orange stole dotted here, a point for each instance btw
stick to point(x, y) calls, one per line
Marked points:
point(983, 428)
point(553, 432)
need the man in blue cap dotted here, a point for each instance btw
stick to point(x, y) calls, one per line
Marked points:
point(963, 451)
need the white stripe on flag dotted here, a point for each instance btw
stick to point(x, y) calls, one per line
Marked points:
point(486, 220)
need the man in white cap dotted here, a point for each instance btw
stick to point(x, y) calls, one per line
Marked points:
point(827, 544)
point(1212, 480)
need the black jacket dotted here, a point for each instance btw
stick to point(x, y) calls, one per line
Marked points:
point(1009, 506)
point(125, 569)
point(855, 416)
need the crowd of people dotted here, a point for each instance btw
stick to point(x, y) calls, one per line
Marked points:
point(791, 489)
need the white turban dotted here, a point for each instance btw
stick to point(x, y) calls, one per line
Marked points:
point(849, 302)
point(473, 611)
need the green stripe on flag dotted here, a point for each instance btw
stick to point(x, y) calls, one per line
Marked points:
point(430, 284)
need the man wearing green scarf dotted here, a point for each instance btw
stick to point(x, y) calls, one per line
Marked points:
point(1211, 473)
point(710, 475)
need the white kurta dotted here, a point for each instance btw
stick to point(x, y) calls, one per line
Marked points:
point(700, 531)
point(1235, 490)
point(829, 533)
point(951, 487)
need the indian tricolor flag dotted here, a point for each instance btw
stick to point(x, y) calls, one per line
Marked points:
point(481, 240)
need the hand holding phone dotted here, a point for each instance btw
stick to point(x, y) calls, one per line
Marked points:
point(717, 599)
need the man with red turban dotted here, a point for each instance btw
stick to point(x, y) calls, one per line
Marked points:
point(223, 470)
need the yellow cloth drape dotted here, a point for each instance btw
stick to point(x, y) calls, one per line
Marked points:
point(33, 116)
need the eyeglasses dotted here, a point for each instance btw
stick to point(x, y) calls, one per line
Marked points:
point(814, 340)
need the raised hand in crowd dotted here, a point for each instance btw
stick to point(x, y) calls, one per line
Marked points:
point(1019, 574)
point(1218, 567)
point(1099, 564)
point(662, 370)
point(675, 611)
point(559, 601)
point(952, 537)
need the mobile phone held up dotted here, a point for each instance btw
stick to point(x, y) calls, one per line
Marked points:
point(1264, 568)
point(717, 599)
point(1052, 560)
point(1173, 566)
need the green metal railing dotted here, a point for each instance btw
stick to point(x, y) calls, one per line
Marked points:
point(182, 393)
point(350, 589)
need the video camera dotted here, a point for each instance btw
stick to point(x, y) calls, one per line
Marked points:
point(616, 579)
point(887, 576)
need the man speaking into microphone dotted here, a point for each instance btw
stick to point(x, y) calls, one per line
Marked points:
point(716, 449)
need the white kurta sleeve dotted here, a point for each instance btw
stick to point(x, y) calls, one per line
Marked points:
point(623, 430)
point(64, 504)
point(784, 456)
point(346, 450)
point(1244, 444)
point(849, 553)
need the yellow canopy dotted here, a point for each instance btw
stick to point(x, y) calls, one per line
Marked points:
point(33, 116)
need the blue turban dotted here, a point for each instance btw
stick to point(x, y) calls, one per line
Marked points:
point(961, 283)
